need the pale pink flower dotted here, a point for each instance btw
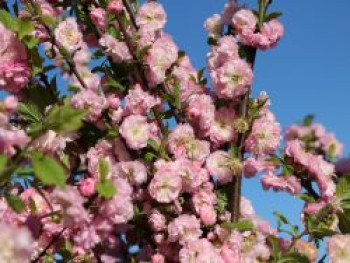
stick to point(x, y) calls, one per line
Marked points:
point(99, 17)
point(230, 9)
point(226, 50)
point(50, 142)
point(152, 16)
point(157, 220)
point(295, 150)
point(278, 183)
point(200, 251)
point(244, 20)
point(265, 136)
point(91, 80)
point(90, 100)
point(120, 208)
point(221, 165)
point(253, 166)
point(140, 102)
point(314, 208)
point(134, 171)
point(161, 56)
point(137, 131)
point(16, 244)
point(11, 138)
point(222, 130)
point(184, 228)
point(232, 79)
point(201, 111)
point(273, 30)
point(118, 50)
point(204, 200)
point(68, 35)
point(307, 249)
point(213, 26)
point(338, 249)
point(14, 68)
point(247, 209)
point(166, 184)
point(72, 205)
point(331, 145)
point(82, 57)
point(179, 138)
point(158, 258)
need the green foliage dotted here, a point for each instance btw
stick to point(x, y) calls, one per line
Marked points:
point(63, 118)
point(106, 189)
point(273, 15)
point(308, 120)
point(283, 220)
point(48, 170)
point(8, 21)
point(15, 203)
point(343, 195)
point(103, 168)
point(242, 225)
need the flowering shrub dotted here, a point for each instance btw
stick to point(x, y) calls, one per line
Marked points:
point(138, 158)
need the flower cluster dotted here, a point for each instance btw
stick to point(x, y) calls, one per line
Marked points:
point(138, 158)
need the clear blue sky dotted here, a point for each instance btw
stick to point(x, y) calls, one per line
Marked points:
point(308, 72)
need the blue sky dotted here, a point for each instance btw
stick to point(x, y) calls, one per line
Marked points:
point(306, 73)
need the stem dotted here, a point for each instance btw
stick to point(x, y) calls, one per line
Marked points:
point(236, 184)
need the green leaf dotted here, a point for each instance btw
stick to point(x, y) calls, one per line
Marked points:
point(306, 197)
point(344, 221)
point(115, 85)
point(153, 145)
point(30, 41)
point(273, 15)
point(242, 225)
point(343, 186)
point(294, 257)
point(276, 249)
point(25, 28)
point(106, 189)
point(8, 21)
point(15, 203)
point(103, 168)
point(322, 232)
point(149, 157)
point(308, 120)
point(64, 118)
point(48, 170)
point(3, 162)
point(281, 217)
point(29, 112)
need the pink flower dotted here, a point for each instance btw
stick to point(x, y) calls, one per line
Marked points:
point(158, 258)
point(14, 68)
point(137, 131)
point(247, 209)
point(273, 30)
point(222, 166)
point(157, 221)
point(314, 208)
point(140, 102)
point(152, 16)
point(91, 80)
point(232, 79)
point(50, 142)
point(201, 111)
point(294, 149)
point(161, 56)
point(265, 136)
point(179, 138)
point(166, 184)
point(244, 20)
point(200, 251)
point(307, 249)
point(16, 244)
point(118, 50)
point(89, 99)
point(68, 35)
point(338, 249)
point(120, 208)
point(213, 26)
point(331, 145)
point(230, 9)
point(226, 50)
point(134, 171)
point(87, 186)
point(222, 130)
point(204, 200)
point(99, 18)
point(72, 205)
point(184, 228)
point(290, 183)
point(115, 6)
point(11, 138)
point(253, 166)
